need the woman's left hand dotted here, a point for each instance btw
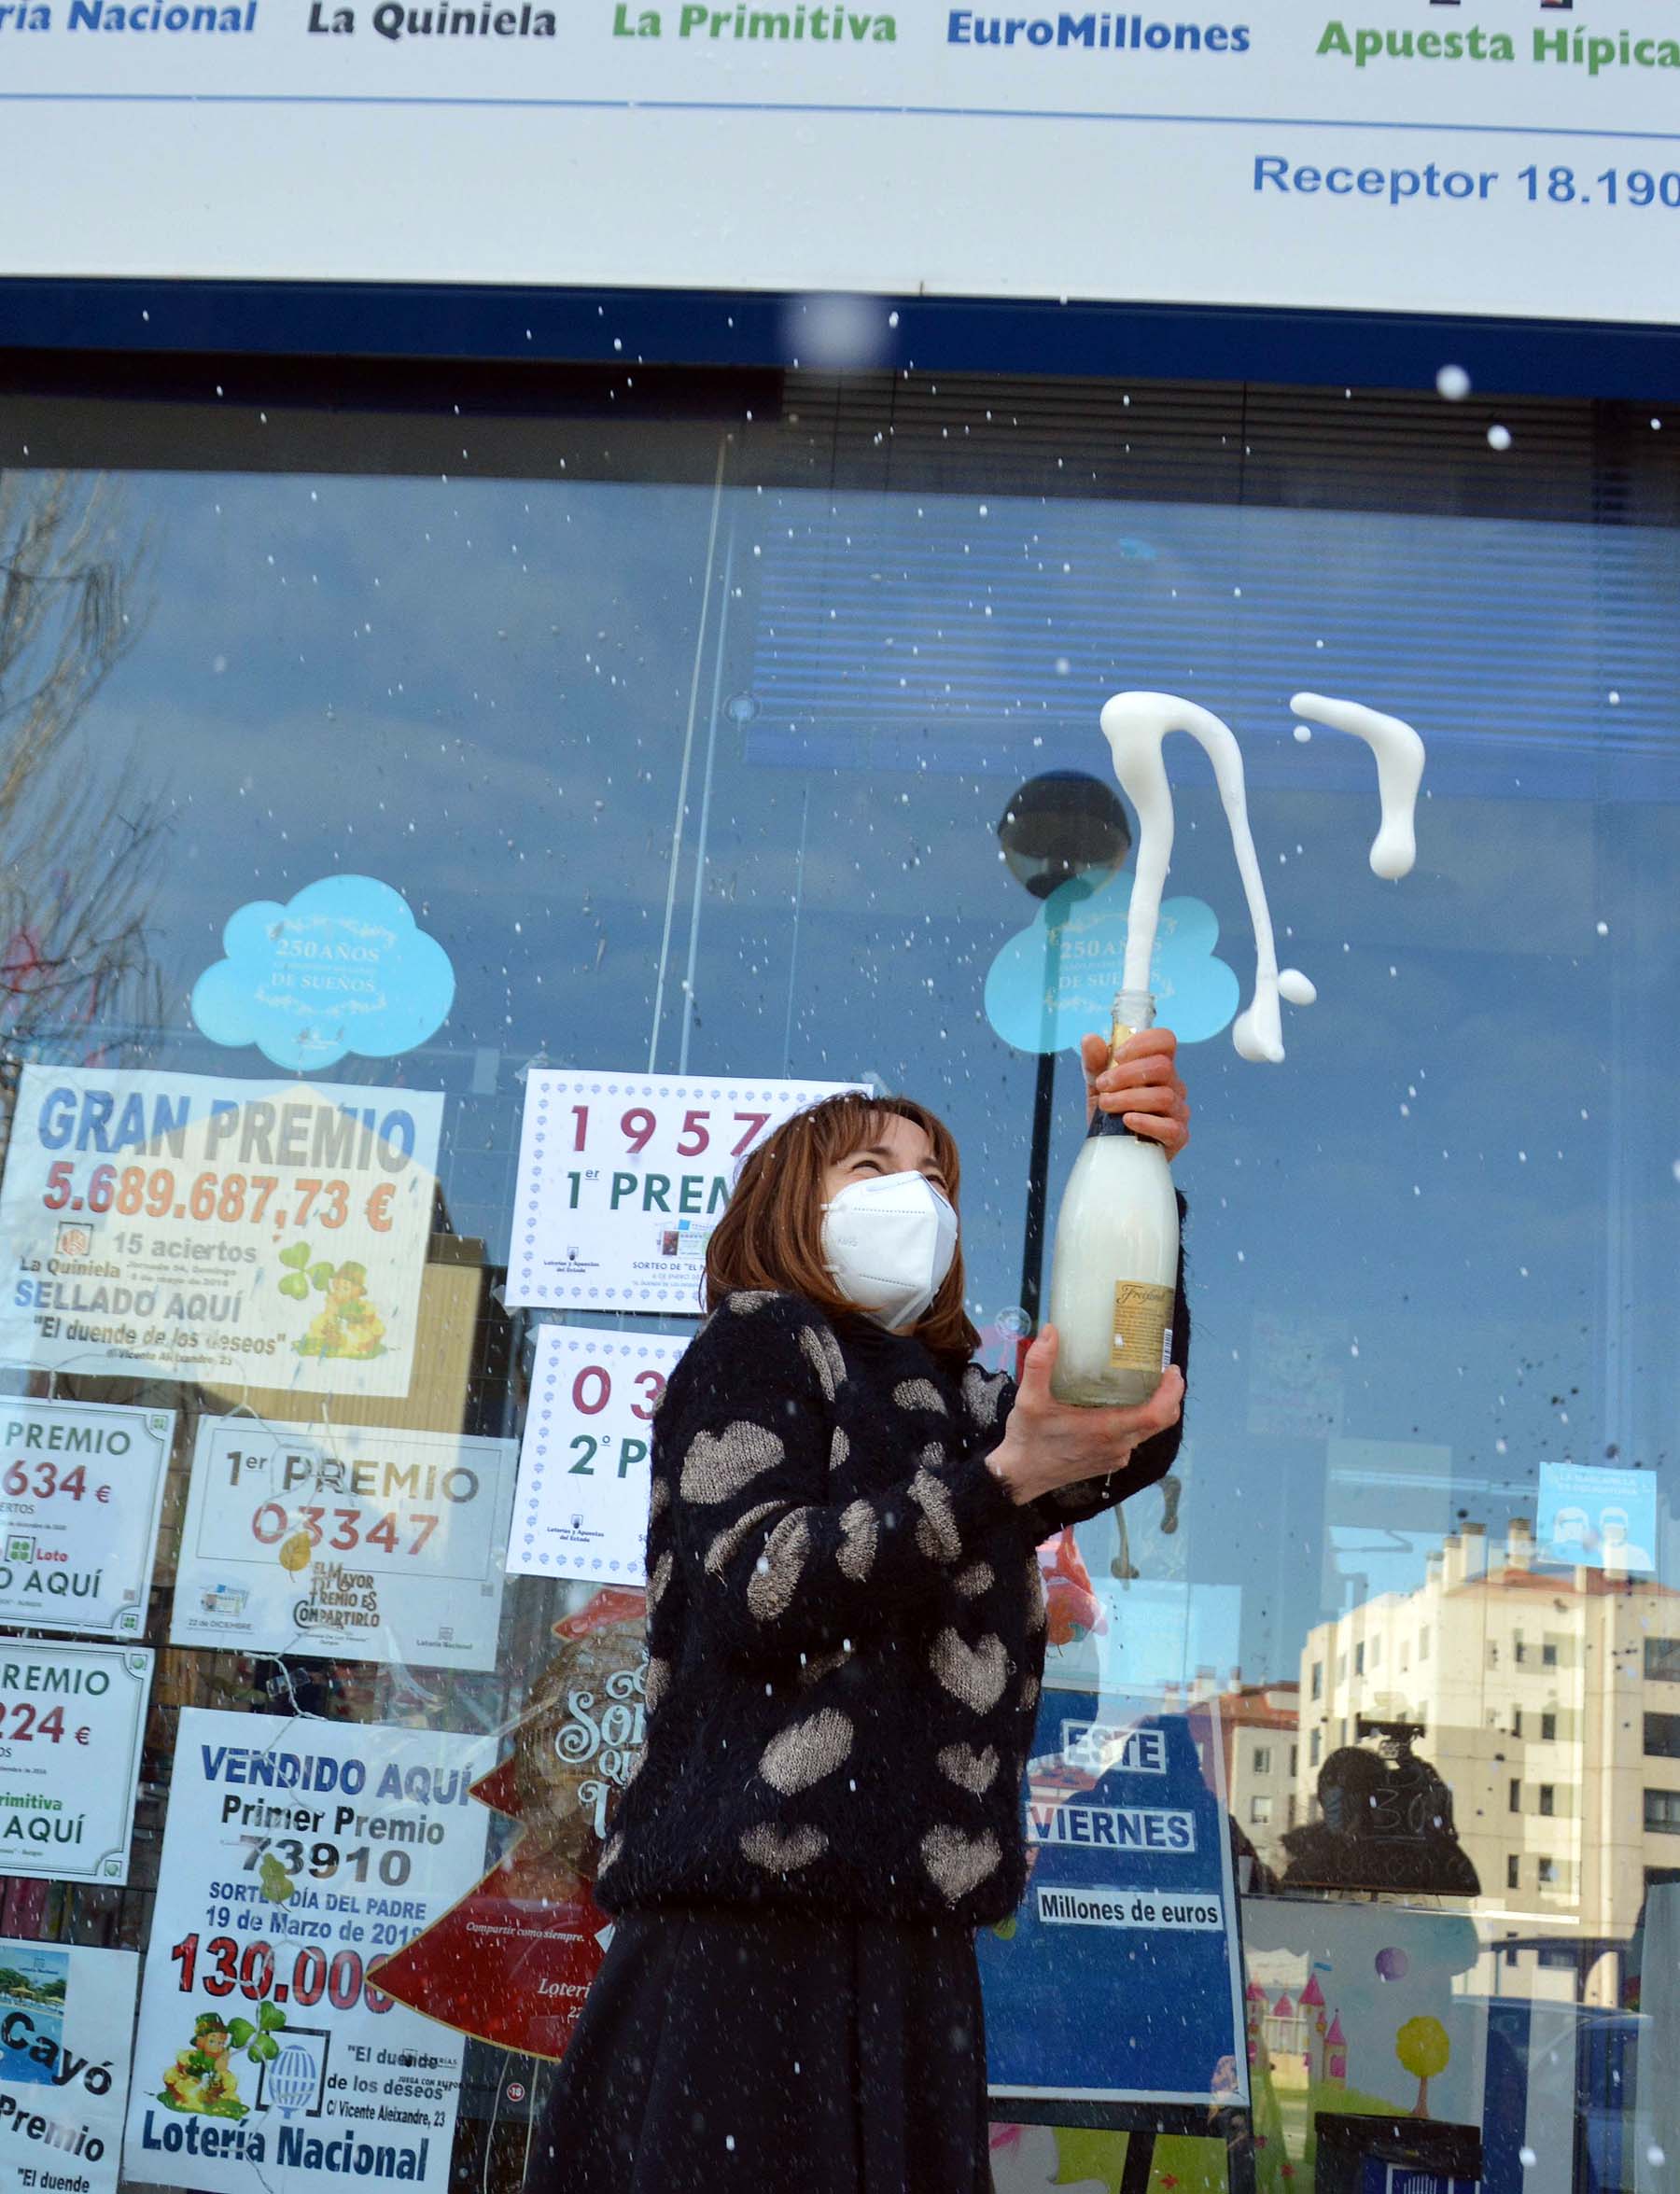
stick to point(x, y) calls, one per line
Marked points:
point(1143, 1086)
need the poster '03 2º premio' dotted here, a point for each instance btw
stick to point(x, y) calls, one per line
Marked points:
point(297, 1854)
point(268, 1232)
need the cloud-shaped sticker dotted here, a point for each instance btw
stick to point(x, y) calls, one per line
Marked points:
point(339, 968)
point(1196, 993)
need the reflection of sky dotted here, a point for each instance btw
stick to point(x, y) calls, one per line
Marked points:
point(1363, 1563)
point(1461, 1177)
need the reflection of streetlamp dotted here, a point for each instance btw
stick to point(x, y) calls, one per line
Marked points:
point(1058, 828)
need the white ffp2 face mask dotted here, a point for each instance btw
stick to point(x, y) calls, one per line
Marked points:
point(889, 1244)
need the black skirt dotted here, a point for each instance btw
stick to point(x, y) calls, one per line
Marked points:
point(773, 2053)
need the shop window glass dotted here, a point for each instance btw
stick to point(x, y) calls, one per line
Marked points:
point(684, 736)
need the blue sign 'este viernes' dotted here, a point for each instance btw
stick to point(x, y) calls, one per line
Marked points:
point(1118, 1979)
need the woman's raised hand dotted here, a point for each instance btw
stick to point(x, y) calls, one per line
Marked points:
point(1046, 1444)
point(1143, 1086)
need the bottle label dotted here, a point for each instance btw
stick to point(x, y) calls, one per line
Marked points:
point(1143, 1326)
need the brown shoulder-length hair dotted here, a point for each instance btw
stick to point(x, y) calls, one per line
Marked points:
point(770, 1235)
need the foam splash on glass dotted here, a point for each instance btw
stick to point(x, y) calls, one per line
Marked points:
point(1114, 1277)
point(1137, 726)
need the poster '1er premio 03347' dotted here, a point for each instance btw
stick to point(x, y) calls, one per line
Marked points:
point(359, 1542)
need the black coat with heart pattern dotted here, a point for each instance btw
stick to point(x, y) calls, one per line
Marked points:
point(845, 1626)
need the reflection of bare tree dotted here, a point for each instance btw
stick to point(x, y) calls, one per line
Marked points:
point(79, 852)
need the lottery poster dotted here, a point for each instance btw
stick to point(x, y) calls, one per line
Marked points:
point(581, 1507)
point(298, 1855)
point(81, 1485)
point(1119, 1979)
point(67, 2019)
point(266, 1233)
point(360, 1542)
point(72, 1722)
point(621, 1179)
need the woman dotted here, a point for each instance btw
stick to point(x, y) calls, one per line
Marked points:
point(846, 1638)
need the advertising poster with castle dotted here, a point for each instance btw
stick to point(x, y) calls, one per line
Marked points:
point(267, 1233)
point(66, 2017)
point(298, 1855)
point(360, 1542)
point(1359, 2016)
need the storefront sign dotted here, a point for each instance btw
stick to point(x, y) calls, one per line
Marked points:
point(343, 966)
point(1119, 1979)
point(268, 1232)
point(1055, 981)
point(581, 1508)
point(621, 1179)
point(66, 2018)
point(1375, 155)
point(364, 1544)
point(74, 1720)
point(297, 1854)
point(82, 1484)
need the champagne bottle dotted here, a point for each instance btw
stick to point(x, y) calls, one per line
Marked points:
point(1113, 1279)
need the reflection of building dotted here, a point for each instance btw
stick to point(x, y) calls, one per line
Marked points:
point(1259, 1728)
point(1548, 1702)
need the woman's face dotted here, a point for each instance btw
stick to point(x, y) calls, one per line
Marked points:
point(895, 1145)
